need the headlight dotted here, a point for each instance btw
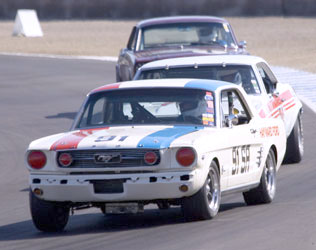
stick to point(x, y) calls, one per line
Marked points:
point(185, 156)
point(150, 158)
point(65, 159)
point(36, 159)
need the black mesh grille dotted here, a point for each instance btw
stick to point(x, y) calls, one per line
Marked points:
point(119, 158)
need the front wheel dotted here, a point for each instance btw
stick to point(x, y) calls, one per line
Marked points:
point(295, 143)
point(205, 203)
point(48, 216)
point(265, 192)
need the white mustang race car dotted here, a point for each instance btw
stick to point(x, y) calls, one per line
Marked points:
point(270, 98)
point(170, 142)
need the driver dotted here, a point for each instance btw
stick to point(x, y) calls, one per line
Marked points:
point(192, 110)
point(207, 35)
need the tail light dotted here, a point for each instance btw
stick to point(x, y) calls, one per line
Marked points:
point(185, 156)
point(150, 158)
point(36, 159)
point(65, 159)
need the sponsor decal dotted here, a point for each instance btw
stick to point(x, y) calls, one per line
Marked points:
point(277, 101)
point(210, 110)
point(226, 27)
point(210, 104)
point(208, 96)
point(269, 131)
point(208, 119)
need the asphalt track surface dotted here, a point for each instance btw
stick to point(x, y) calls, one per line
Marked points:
point(40, 96)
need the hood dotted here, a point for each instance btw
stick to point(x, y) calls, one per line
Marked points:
point(165, 53)
point(155, 137)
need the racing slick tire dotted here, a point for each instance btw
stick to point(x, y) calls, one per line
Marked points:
point(295, 143)
point(204, 204)
point(48, 216)
point(265, 192)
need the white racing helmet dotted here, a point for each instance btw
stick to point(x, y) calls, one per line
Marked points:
point(193, 109)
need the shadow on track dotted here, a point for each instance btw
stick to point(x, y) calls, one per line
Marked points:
point(96, 223)
point(68, 115)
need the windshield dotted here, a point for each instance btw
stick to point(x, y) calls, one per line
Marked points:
point(242, 75)
point(170, 106)
point(186, 34)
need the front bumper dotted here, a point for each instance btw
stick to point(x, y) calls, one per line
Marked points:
point(136, 187)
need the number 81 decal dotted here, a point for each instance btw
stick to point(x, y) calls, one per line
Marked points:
point(241, 159)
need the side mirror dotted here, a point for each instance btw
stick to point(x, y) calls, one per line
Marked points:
point(242, 44)
point(275, 93)
point(223, 43)
point(123, 51)
point(274, 85)
point(231, 120)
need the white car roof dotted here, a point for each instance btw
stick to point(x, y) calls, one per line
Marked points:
point(211, 85)
point(205, 60)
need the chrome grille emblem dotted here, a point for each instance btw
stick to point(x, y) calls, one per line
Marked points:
point(103, 158)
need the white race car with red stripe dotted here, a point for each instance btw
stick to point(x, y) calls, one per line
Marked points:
point(170, 142)
point(271, 98)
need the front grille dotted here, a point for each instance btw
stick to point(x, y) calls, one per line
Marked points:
point(120, 158)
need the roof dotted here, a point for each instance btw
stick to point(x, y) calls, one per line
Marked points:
point(205, 60)
point(210, 85)
point(180, 19)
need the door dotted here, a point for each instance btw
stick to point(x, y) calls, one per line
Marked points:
point(244, 142)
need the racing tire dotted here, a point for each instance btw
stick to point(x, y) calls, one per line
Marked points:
point(204, 204)
point(48, 216)
point(295, 143)
point(265, 192)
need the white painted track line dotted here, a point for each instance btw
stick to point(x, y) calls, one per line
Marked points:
point(304, 83)
point(98, 58)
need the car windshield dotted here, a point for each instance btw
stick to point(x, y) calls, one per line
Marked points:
point(186, 34)
point(242, 75)
point(154, 106)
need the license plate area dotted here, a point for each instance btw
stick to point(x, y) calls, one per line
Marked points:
point(124, 208)
point(108, 186)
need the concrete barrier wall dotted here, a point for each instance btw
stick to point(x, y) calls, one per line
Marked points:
point(98, 9)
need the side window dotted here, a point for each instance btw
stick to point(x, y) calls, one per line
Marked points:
point(232, 104)
point(132, 40)
point(269, 80)
point(94, 115)
point(97, 114)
